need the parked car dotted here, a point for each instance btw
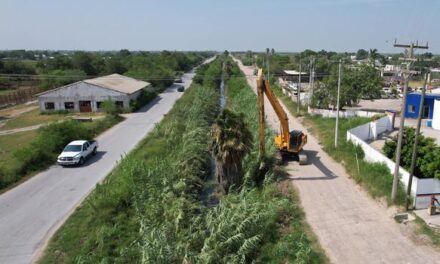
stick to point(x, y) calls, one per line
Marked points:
point(77, 152)
point(180, 88)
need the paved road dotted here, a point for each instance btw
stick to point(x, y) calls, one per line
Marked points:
point(34, 210)
point(350, 226)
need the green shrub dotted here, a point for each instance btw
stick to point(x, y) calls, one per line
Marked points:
point(428, 154)
point(144, 98)
point(111, 108)
point(49, 143)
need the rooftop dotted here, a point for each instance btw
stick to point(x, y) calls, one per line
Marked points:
point(115, 82)
point(118, 83)
point(293, 72)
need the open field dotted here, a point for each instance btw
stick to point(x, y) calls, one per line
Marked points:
point(17, 109)
point(34, 117)
point(9, 144)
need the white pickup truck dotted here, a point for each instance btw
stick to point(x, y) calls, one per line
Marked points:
point(76, 152)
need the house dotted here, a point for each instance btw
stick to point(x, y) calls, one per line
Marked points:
point(291, 76)
point(413, 104)
point(88, 95)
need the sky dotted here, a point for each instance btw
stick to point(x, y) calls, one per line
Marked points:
point(285, 25)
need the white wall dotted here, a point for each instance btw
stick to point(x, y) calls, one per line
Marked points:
point(421, 188)
point(436, 115)
point(342, 113)
point(81, 91)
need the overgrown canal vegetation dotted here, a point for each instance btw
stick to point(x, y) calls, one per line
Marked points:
point(149, 208)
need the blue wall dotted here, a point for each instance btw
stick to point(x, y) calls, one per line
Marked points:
point(413, 104)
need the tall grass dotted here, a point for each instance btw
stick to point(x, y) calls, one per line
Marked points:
point(282, 236)
point(149, 211)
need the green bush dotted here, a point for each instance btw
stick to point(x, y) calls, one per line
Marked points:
point(111, 108)
point(428, 154)
point(144, 98)
point(49, 143)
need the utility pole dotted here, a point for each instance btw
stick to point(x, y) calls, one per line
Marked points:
point(416, 142)
point(310, 82)
point(406, 74)
point(267, 61)
point(298, 90)
point(337, 104)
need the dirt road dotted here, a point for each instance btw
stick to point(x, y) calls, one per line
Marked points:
point(351, 226)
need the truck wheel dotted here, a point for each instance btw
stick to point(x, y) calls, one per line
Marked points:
point(94, 151)
point(81, 161)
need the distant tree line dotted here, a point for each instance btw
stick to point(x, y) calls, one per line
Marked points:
point(61, 68)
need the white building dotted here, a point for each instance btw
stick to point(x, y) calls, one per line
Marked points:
point(88, 95)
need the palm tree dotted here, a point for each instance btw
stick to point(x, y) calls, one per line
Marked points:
point(373, 55)
point(231, 140)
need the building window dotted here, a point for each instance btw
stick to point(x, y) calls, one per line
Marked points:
point(99, 105)
point(119, 104)
point(411, 109)
point(49, 106)
point(69, 105)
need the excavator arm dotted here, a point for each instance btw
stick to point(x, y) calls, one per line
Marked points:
point(286, 141)
point(264, 88)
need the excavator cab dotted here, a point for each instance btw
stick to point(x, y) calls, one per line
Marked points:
point(289, 143)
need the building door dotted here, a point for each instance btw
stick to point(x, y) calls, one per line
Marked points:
point(425, 111)
point(85, 106)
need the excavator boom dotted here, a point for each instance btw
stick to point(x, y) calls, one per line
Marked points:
point(283, 141)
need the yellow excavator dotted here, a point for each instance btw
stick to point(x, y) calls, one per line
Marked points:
point(289, 143)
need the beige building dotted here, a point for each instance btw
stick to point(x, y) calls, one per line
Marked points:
point(88, 95)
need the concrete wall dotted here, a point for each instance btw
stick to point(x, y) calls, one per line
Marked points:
point(421, 189)
point(342, 113)
point(81, 91)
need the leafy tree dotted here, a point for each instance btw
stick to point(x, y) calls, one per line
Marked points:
point(428, 154)
point(231, 141)
point(16, 67)
point(361, 54)
point(84, 61)
point(124, 53)
point(355, 84)
point(114, 65)
point(57, 78)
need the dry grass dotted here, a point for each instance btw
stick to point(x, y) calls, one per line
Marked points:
point(34, 117)
point(10, 143)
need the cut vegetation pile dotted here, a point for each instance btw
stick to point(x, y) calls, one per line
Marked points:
point(149, 208)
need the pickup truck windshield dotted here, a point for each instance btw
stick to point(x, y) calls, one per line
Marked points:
point(72, 148)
